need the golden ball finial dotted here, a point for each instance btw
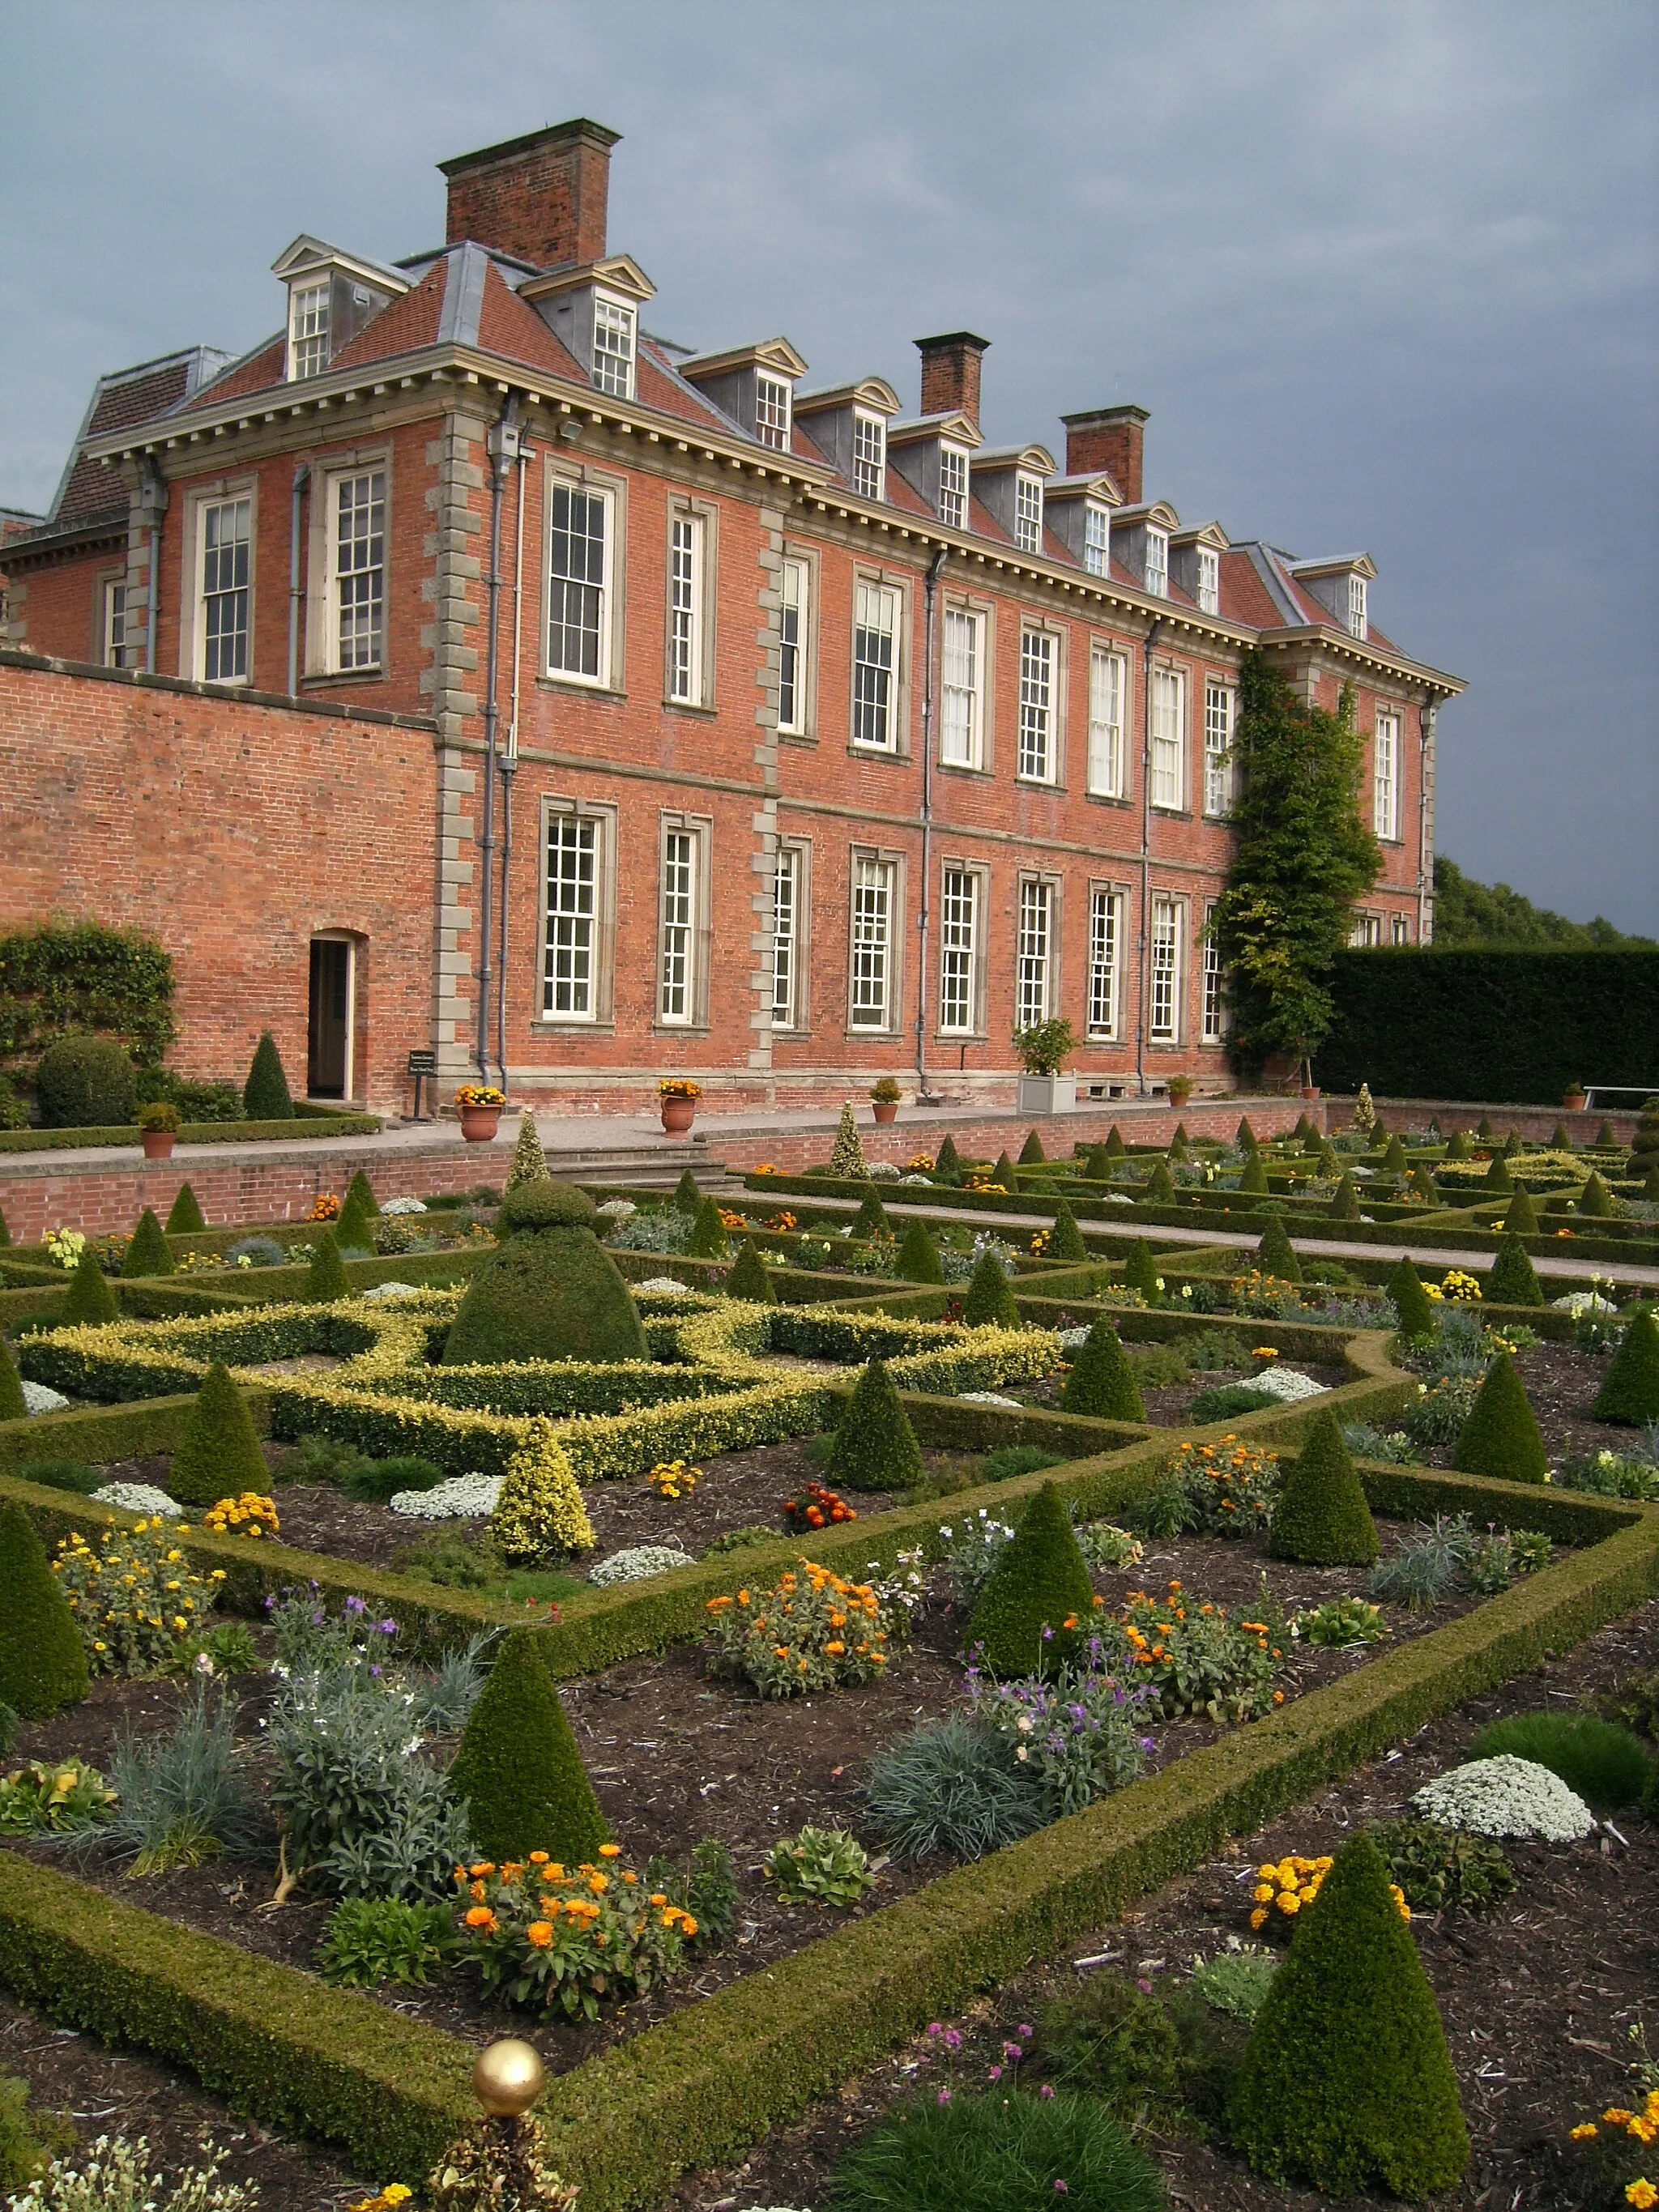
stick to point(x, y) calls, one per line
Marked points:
point(507, 2077)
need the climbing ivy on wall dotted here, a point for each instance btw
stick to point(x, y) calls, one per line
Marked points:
point(79, 976)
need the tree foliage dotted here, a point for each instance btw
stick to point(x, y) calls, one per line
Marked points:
point(1468, 913)
point(67, 977)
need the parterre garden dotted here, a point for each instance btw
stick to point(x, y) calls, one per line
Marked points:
point(717, 1639)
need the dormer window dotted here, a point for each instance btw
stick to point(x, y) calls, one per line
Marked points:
point(1096, 539)
point(1208, 592)
point(953, 487)
point(1357, 619)
point(307, 330)
point(772, 412)
point(613, 347)
point(1028, 514)
point(869, 455)
point(1156, 573)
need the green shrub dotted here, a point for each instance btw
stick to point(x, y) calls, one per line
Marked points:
point(70, 1474)
point(147, 1252)
point(1595, 1200)
point(1434, 1866)
point(12, 1405)
point(1065, 1238)
point(1394, 1157)
point(218, 1455)
point(85, 1081)
point(1513, 1281)
point(991, 2153)
point(1237, 1982)
point(327, 1278)
point(709, 1239)
point(1227, 1401)
point(1160, 1188)
point(184, 1796)
point(1500, 1438)
point(1160, 1366)
point(875, 1446)
point(951, 1785)
point(1115, 1148)
point(918, 1255)
point(1031, 1153)
point(43, 1661)
point(265, 1096)
point(1498, 1182)
point(1102, 1381)
point(519, 1769)
point(1009, 1462)
point(1039, 1582)
point(1005, 1172)
point(1630, 1388)
point(1411, 1301)
point(1275, 1255)
point(90, 1299)
point(1520, 1216)
point(1346, 2081)
point(550, 1291)
point(707, 1889)
point(1253, 1180)
point(1345, 1205)
point(1320, 1518)
point(820, 1866)
point(687, 1197)
point(870, 1219)
point(1603, 1763)
point(529, 1160)
point(1140, 1271)
point(990, 1299)
point(374, 1940)
point(185, 1217)
point(373, 1481)
point(749, 1279)
point(28, 2139)
point(1111, 2041)
point(354, 1229)
point(846, 1154)
point(1635, 1704)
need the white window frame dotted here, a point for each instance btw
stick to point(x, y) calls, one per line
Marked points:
point(1385, 777)
point(1399, 929)
point(1367, 931)
point(795, 622)
point(113, 646)
point(1220, 707)
point(1109, 752)
point(961, 949)
point(872, 941)
point(1028, 511)
point(1167, 747)
point(878, 614)
point(953, 489)
point(683, 922)
point(1034, 952)
point(308, 330)
point(1097, 539)
point(216, 505)
point(1207, 569)
point(1104, 998)
point(1212, 1018)
point(773, 399)
point(563, 586)
point(335, 626)
point(688, 539)
point(1037, 760)
point(869, 454)
point(1156, 567)
point(615, 367)
point(584, 946)
point(1166, 979)
point(790, 886)
point(962, 689)
point(1357, 623)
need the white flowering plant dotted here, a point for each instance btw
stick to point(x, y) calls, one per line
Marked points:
point(458, 1497)
point(637, 1564)
point(1507, 1796)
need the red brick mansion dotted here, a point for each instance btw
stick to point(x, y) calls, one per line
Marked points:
point(467, 669)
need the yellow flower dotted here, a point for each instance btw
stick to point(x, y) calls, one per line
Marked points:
point(1642, 2194)
point(610, 1851)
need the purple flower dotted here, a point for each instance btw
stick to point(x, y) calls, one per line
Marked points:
point(1025, 2031)
point(1144, 1987)
point(376, 1672)
point(952, 2039)
point(935, 2028)
point(944, 2097)
point(1060, 2190)
point(1047, 2090)
point(1012, 2050)
point(355, 1604)
point(995, 2074)
point(388, 1628)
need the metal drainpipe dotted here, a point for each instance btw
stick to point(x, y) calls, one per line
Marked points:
point(301, 478)
point(153, 495)
point(1425, 720)
point(502, 444)
point(1144, 942)
point(509, 770)
point(930, 587)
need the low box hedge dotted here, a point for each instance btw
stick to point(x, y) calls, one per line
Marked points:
point(304, 1125)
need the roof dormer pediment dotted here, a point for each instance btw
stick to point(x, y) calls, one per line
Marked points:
point(1036, 460)
point(956, 430)
point(776, 356)
point(1339, 564)
point(871, 392)
point(616, 272)
point(311, 256)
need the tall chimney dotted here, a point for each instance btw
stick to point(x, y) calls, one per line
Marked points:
point(541, 198)
point(1109, 438)
point(949, 374)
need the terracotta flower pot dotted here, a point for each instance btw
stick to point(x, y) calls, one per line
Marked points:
point(158, 1144)
point(884, 1109)
point(1310, 1090)
point(677, 1115)
point(480, 1123)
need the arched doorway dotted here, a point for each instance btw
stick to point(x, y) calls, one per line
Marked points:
point(331, 1035)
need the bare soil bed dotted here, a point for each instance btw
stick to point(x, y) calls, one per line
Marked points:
point(1561, 1384)
point(1168, 1405)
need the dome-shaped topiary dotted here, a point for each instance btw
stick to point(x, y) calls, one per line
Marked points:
point(1513, 1281)
point(1140, 1271)
point(43, 1661)
point(1320, 1518)
point(1116, 1149)
point(1031, 1153)
point(1521, 1215)
point(1411, 1301)
point(1630, 1388)
point(518, 1771)
point(85, 1081)
point(1160, 1185)
point(1345, 1201)
point(1065, 1238)
point(1345, 2081)
point(529, 1160)
point(947, 1160)
point(1102, 1382)
point(1005, 1172)
point(748, 1277)
point(870, 1219)
point(265, 1096)
point(147, 1252)
point(549, 1291)
point(1498, 1178)
point(990, 1298)
point(918, 1255)
point(539, 1515)
point(846, 1156)
point(1253, 1178)
point(14, 1406)
point(90, 1299)
point(1500, 1438)
point(1276, 1255)
point(1039, 1584)
point(327, 1278)
point(709, 1239)
point(875, 1446)
point(185, 1217)
point(1595, 1200)
point(687, 1196)
point(218, 1455)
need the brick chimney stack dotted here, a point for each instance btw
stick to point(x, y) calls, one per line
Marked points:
point(949, 374)
point(1109, 438)
point(541, 198)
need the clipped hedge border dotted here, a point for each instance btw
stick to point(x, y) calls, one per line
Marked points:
point(194, 1133)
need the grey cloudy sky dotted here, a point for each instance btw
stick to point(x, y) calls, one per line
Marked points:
point(1383, 270)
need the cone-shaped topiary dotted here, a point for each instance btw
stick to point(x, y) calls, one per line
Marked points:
point(12, 1405)
point(5, 1233)
point(1345, 1201)
point(1140, 1273)
point(550, 1291)
point(875, 1446)
point(1065, 1238)
point(1005, 1172)
point(529, 1160)
point(265, 1096)
point(327, 1278)
point(1039, 1584)
point(709, 1239)
point(1513, 1281)
point(1411, 1301)
point(519, 1769)
point(749, 1279)
point(360, 1193)
point(1031, 1153)
point(90, 1299)
point(1102, 1381)
point(1498, 1177)
point(1521, 1218)
point(847, 1160)
point(1345, 2081)
point(354, 1229)
point(539, 1515)
point(1394, 1157)
point(185, 1217)
point(147, 1252)
point(1314, 1143)
point(1160, 1185)
point(1500, 1438)
point(870, 1219)
point(1595, 1199)
point(1330, 1166)
point(43, 1661)
point(1604, 1137)
point(1630, 1388)
point(947, 1160)
point(1458, 1149)
point(218, 1455)
point(687, 1196)
point(990, 1299)
point(1253, 1179)
point(1244, 1137)
point(1115, 1147)
point(1423, 1183)
point(1305, 1128)
point(918, 1256)
point(1482, 1128)
point(1320, 1517)
point(1512, 1144)
point(1276, 1255)
point(1559, 1140)
point(1180, 1151)
point(1098, 1165)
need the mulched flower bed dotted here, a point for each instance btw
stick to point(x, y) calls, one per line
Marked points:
point(1561, 1384)
point(1167, 1404)
point(1537, 1993)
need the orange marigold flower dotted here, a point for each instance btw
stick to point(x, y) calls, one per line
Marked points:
point(482, 1919)
point(538, 1858)
point(610, 1851)
point(540, 1934)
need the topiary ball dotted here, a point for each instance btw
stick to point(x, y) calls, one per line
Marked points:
point(544, 1203)
point(84, 1081)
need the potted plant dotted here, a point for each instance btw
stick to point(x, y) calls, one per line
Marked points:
point(1044, 1049)
point(158, 1129)
point(884, 1098)
point(676, 1100)
point(1573, 1098)
point(480, 1108)
point(1181, 1090)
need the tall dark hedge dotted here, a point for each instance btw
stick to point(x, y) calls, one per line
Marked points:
point(1515, 1025)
